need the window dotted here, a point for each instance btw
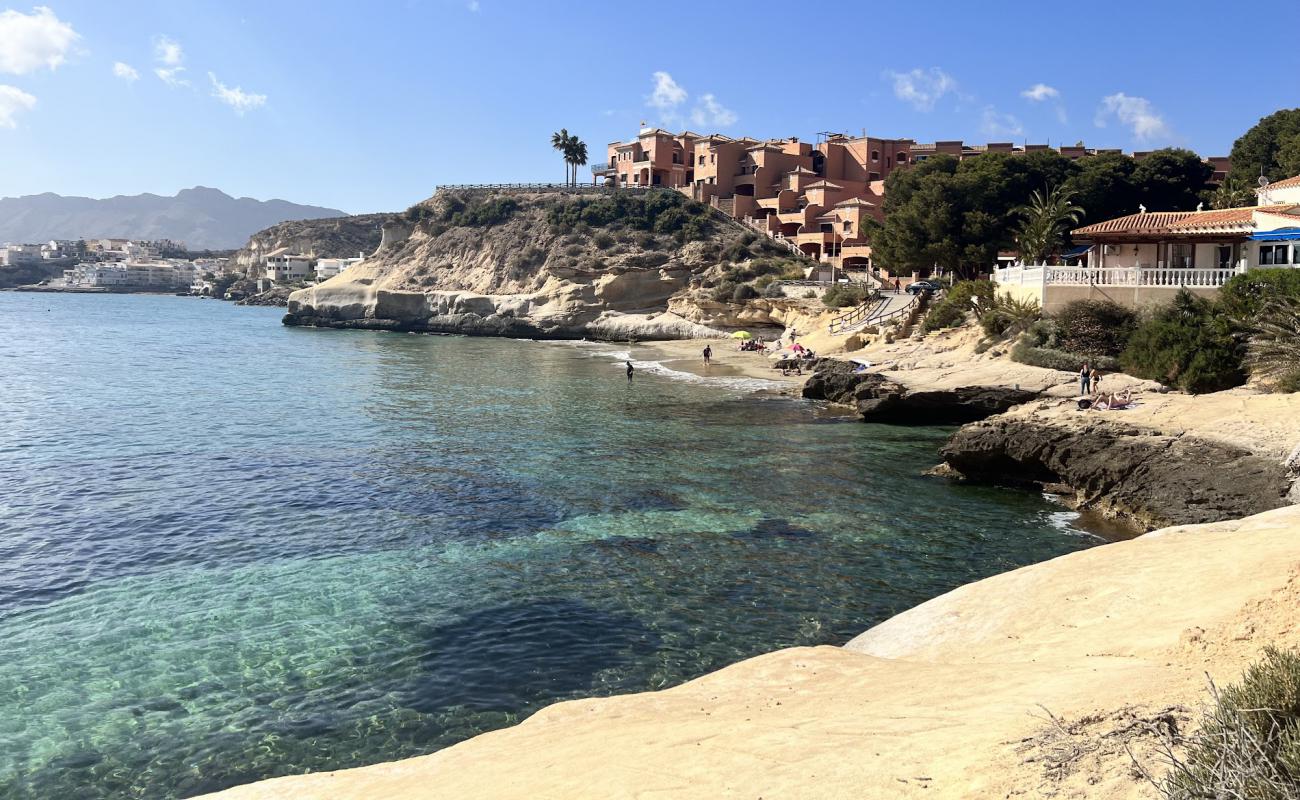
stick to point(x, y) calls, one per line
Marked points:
point(1224, 256)
point(902, 158)
point(701, 160)
point(1270, 254)
point(1180, 256)
point(848, 226)
point(875, 156)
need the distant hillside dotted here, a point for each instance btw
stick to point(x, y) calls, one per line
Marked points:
point(202, 218)
point(330, 237)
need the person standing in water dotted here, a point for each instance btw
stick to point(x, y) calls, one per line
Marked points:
point(629, 372)
point(708, 354)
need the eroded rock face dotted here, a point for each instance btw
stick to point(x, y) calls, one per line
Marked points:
point(522, 278)
point(1151, 479)
point(879, 399)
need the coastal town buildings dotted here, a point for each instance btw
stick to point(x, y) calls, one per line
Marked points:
point(810, 196)
point(1148, 257)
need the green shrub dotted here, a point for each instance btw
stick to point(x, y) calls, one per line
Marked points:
point(1095, 327)
point(764, 281)
point(573, 250)
point(603, 240)
point(1050, 358)
point(1243, 296)
point(736, 251)
point(963, 297)
point(744, 292)
point(810, 294)
point(844, 295)
point(1186, 344)
point(1248, 745)
point(724, 292)
point(661, 212)
point(773, 290)
point(477, 211)
point(1009, 316)
point(647, 260)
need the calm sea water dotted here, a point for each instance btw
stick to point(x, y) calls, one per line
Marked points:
point(233, 550)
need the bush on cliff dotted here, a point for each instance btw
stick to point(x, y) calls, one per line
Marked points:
point(660, 212)
point(476, 211)
point(1248, 745)
point(1095, 327)
point(962, 298)
point(1186, 344)
point(845, 295)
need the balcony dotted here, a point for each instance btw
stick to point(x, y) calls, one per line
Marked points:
point(604, 169)
point(642, 157)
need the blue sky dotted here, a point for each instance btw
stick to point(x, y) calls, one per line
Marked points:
point(368, 106)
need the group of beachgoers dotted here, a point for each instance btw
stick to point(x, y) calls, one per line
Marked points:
point(1092, 398)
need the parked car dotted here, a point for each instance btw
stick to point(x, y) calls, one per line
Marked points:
point(924, 286)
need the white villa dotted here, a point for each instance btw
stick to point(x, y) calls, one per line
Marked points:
point(329, 267)
point(1149, 256)
point(283, 266)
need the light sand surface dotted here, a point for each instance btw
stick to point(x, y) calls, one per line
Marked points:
point(727, 360)
point(950, 699)
point(1267, 424)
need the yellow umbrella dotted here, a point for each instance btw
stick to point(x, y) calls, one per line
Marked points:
point(741, 335)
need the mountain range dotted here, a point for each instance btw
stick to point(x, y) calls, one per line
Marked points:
point(202, 218)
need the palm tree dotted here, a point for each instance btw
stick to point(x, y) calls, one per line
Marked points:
point(561, 141)
point(576, 155)
point(1233, 192)
point(1274, 347)
point(1047, 217)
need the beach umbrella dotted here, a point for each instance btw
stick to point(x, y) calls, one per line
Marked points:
point(741, 335)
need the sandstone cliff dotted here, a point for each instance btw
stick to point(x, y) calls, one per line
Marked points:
point(547, 266)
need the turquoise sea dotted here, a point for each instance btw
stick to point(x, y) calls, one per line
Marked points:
point(233, 550)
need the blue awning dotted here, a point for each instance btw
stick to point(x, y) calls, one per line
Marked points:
point(1279, 235)
point(1075, 252)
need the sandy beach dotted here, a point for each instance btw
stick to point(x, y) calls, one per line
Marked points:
point(727, 360)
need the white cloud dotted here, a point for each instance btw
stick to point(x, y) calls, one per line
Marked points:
point(1000, 126)
point(709, 113)
point(236, 97)
point(126, 72)
point(167, 51)
point(13, 101)
point(472, 5)
point(922, 88)
point(667, 94)
point(1135, 112)
point(29, 42)
point(1040, 92)
point(171, 77)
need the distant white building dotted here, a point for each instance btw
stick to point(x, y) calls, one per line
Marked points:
point(329, 267)
point(14, 255)
point(285, 267)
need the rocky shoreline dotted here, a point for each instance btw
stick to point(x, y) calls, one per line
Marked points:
point(1141, 476)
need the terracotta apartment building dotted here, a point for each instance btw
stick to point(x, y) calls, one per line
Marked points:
point(811, 196)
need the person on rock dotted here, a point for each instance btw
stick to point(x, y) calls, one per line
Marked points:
point(1085, 380)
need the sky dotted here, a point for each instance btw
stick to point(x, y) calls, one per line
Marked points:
point(368, 106)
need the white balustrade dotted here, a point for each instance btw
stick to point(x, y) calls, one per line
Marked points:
point(1115, 276)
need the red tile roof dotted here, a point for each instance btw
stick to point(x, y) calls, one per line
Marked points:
point(1286, 183)
point(1183, 221)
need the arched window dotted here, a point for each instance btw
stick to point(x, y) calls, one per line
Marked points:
point(902, 158)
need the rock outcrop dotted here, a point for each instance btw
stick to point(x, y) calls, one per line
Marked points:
point(440, 268)
point(1146, 477)
point(878, 399)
